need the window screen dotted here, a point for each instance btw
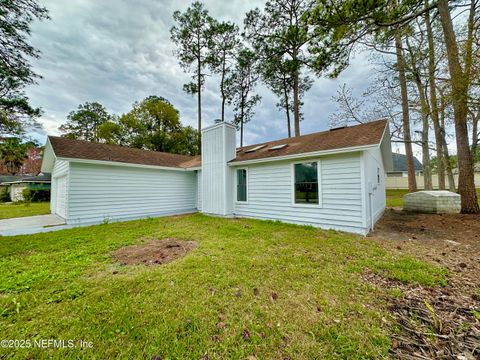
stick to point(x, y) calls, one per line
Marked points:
point(241, 185)
point(306, 183)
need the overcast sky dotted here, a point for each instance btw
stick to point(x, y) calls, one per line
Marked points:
point(117, 52)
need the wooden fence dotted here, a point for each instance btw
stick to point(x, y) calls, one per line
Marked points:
point(400, 182)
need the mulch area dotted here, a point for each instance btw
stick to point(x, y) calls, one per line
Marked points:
point(439, 322)
point(154, 252)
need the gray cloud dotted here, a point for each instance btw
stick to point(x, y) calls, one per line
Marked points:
point(118, 52)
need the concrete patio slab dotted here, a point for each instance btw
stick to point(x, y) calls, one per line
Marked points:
point(31, 224)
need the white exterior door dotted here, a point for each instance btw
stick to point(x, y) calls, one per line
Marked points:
point(61, 195)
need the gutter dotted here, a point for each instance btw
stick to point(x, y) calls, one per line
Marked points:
point(117, 163)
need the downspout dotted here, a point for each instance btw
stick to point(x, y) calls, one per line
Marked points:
point(370, 194)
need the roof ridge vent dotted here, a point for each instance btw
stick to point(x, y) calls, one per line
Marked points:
point(278, 147)
point(338, 128)
point(255, 148)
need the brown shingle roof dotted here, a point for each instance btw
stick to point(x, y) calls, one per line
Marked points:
point(79, 149)
point(359, 135)
point(196, 161)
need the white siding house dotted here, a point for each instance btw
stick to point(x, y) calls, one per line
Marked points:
point(332, 180)
point(89, 191)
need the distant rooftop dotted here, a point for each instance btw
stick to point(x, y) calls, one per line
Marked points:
point(400, 162)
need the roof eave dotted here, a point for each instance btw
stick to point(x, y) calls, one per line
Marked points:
point(27, 182)
point(118, 163)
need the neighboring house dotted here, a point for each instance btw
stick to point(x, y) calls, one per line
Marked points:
point(333, 179)
point(4, 179)
point(17, 184)
point(400, 166)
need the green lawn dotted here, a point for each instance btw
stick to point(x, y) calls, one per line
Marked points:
point(395, 197)
point(65, 285)
point(14, 210)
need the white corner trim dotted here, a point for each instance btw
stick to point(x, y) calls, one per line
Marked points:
point(364, 191)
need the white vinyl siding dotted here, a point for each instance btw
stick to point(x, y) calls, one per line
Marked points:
point(199, 190)
point(108, 192)
point(218, 148)
point(270, 194)
point(59, 199)
point(61, 195)
point(375, 206)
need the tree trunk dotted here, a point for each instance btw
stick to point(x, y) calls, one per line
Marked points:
point(296, 100)
point(412, 182)
point(222, 89)
point(466, 183)
point(199, 104)
point(241, 124)
point(475, 135)
point(434, 103)
point(287, 108)
point(427, 170)
point(446, 156)
point(296, 110)
point(424, 111)
point(448, 165)
point(468, 60)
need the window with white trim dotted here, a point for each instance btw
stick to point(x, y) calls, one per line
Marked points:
point(306, 183)
point(242, 185)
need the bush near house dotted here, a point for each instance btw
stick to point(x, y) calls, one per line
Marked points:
point(36, 195)
point(5, 195)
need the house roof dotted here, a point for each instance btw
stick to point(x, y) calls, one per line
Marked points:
point(79, 149)
point(346, 137)
point(400, 162)
point(41, 178)
point(367, 134)
point(9, 178)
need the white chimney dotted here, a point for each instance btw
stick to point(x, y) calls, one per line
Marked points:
point(218, 148)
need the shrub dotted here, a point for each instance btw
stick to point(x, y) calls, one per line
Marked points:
point(36, 195)
point(5, 195)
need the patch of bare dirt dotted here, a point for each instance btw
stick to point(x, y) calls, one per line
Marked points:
point(432, 323)
point(154, 252)
point(451, 240)
point(440, 322)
